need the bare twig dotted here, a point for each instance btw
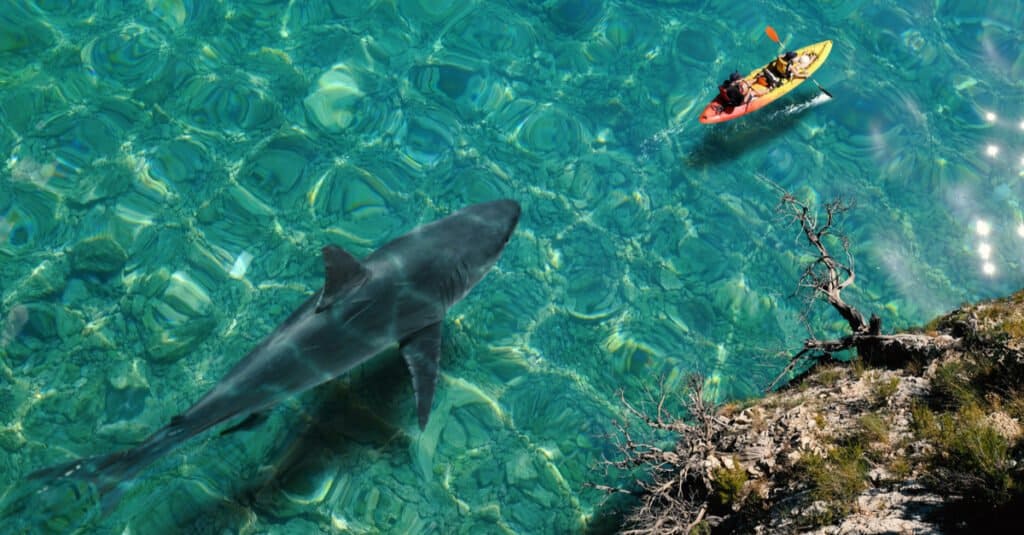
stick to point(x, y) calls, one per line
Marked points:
point(826, 276)
point(679, 494)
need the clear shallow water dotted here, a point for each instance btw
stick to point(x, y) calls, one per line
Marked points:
point(172, 168)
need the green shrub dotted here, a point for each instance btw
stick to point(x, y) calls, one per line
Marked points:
point(976, 460)
point(952, 385)
point(1014, 403)
point(729, 482)
point(883, 389)
point(940, 322)
point(971, 460)
point(828, 376)
point(900, 468)
point(1013, 327)
point(858, 367)
point(873, 428)
point(925, 423)
point(836, 479)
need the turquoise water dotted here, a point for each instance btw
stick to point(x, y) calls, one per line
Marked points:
point(171, 169)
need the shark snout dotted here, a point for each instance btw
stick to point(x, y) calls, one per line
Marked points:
point(504, 213)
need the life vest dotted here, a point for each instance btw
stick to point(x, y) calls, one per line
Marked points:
point(779, 67)
point(730, 94)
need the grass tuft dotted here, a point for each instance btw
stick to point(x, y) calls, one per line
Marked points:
point(836, 479)
point(972, 459)
point(873, 429)
point(729, 483)
point(883, 389)
point(952, 385)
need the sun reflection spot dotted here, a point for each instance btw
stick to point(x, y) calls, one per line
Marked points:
point(992, 150)
point(984, 250)
point(982, 227)
point(990, 117)
point(988, 268)
point(1022, 125)
point(1020, 230)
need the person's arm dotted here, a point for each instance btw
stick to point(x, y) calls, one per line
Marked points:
point(796, 71)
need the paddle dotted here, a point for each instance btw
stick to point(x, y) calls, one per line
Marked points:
point(775, 37)
point(823, 90)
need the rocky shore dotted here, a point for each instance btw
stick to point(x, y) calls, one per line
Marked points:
point(922, 441)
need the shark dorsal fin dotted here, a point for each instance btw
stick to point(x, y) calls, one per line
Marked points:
point(422, 351)
point(343, 273)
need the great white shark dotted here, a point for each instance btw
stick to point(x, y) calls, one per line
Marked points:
point(397, 295)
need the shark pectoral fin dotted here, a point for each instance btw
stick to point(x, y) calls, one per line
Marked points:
point(249, 422)
point(422, 351)
point(343, 273)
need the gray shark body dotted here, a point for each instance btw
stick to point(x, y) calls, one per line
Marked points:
point(397, 295)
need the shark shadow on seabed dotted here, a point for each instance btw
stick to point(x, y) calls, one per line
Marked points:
point(727, 142)
point(299, 469)
point(329, 423)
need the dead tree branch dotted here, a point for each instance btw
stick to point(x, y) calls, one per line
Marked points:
point(680, 492)
point(826, 277)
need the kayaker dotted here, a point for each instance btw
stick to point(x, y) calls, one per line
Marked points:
point(783, 68)
point(734, 91)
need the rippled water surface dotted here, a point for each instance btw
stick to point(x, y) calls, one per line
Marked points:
point(171, 169)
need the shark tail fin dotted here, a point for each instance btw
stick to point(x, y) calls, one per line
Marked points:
point(52, 502)
point(68, 497)
point(102, 474)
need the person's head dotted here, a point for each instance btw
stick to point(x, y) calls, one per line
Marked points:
point(735, 76)
point(789, 56)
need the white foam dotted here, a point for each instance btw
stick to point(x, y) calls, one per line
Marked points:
point(818, 100)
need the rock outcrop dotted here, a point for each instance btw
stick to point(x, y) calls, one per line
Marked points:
point(929, 442)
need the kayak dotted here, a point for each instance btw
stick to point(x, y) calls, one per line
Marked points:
point(808, 59)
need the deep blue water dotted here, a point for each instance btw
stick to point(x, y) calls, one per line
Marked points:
point(171, 169)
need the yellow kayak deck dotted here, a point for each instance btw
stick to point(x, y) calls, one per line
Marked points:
point(808, 59)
